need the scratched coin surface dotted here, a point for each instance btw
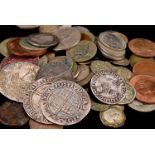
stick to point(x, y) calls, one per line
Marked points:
point(32, 102)
point(141, 107)
point(65, 103)
point(83, 51)
point(36, 125)
point(68, 38)
point(13, 114)
point(108, 87)
point(15, 79)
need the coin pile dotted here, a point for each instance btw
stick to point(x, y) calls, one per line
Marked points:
point(53, 78)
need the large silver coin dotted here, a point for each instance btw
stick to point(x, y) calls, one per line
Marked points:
point(65, 103)
point(15, 79)
point(108, 87)
point(32, 103)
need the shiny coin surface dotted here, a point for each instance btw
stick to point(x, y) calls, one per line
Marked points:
point(13, 114)
point(27, 26)
point(15, 79)
point(142, 47)
point(141, 107)
point(42, 39)
point(65, 103)
point(108, 87)
point(113, 117)
point(32, 102)
point(36, 125)
point(68, 38)
point(145, 88)
point(83, 51)
point(123, 62)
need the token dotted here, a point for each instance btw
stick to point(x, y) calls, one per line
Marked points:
point(83, 51)
point(42, 39)
point(65, 103)
point(123, 62)
point(141, 107)
point(113, 117)
point(36, 125)
point(13, 114)
point(68, 38)
point(15, 79)
point(27, 26)
point(32, 100)
point(108, 87)
point(145, 88)
point(142, 47)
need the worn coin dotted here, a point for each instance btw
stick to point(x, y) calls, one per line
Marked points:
point(48, 28)
point(119, 107)
point(15, 79)
point(13, 114)
point(27, 26)
point(83, 51)
point(113, 117)
point(123, 36)
point(68, 38)
point(141, 107)
point(65, 103)
point(123, 62)
point(32, 100)
point(36, 125)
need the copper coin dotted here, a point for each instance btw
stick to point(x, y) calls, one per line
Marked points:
point(145, 88)
point(13, 114)
point(32, 98)
point(65, 103)
point(144, 68)
point(15, 79)
point(11, 59)
point(15, 49)
point(108, 87)
point(36, 125)
point(142, 47)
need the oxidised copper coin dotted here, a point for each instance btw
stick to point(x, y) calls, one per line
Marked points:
point(142, 47)
point(145, 88)
point(15, 49)
point(65, 103)
point(13, 114)
point(144, 68)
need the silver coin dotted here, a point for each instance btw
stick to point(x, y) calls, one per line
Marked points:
point(65, 103)
point(108, 87)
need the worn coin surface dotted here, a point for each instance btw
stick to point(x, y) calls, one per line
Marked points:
point(32, 102)
point(108, 87)
point(141, 107)
point(83, 51)
point(36, 125)
point(13, 114)
point(15, 79)
point(123, 62)
point(119, 107)
point(65, 103)
point(113, 117)
point(48, 28)
point(145, 88)
point(68, 38)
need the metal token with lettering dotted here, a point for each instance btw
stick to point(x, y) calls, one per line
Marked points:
point(15, 79)
point(65, 103)
point(108, 87)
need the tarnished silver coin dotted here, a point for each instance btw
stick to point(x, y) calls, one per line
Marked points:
point(108, 87)
point(113, 117)
point(68, 38)
point(15, 78)
point(42, 39)
point(27, 26)
point(32, 102)
point(141, 107)
point(65, 103)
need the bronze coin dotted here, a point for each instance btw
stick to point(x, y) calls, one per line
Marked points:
point(145, 88)
point(144, 68)
point(15, 49)
point(13, 114)
point(142, 47)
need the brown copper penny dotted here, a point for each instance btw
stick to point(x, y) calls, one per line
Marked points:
point(15, 49)
point(144, 68)
point(13, 114)
point(142, 47)
point(145, 88)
